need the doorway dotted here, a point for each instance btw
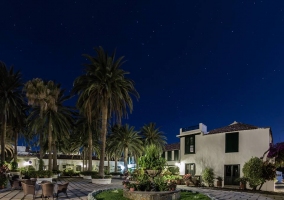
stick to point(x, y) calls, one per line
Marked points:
point(231, 173)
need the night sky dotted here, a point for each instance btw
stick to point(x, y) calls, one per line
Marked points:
point(192, 61)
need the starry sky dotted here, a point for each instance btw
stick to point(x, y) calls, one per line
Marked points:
point(197, 61)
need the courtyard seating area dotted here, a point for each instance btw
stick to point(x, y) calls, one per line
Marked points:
point(65, 188)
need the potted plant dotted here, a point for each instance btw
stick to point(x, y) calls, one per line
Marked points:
point(125, 183)
point(187, 179)
point(97, 179)
point(219, 181)
point(132, 187)
point(152, 161)
point(208, 176)
point(88, 174)
point(243, 182)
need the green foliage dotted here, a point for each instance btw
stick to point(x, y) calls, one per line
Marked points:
point(253, 171)
point(268, 171)
point(118, 194)
point(161, 183)
point(40, 164)
point(152, 159)
point(97, 176)
point(110, 194)
point(242, 180)
point(174, 170)
point(89, 173)
point(68, 172)
point(115, 173)
point(14, 166)
point(208, 176)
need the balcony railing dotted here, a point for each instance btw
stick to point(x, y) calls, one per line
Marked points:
point(190, 128)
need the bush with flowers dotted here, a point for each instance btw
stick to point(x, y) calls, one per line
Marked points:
point(3, 177)
point(187, 177)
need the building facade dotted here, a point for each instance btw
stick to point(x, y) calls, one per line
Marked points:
point(225, 150)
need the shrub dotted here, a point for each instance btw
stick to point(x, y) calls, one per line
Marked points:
point(208, 176)
point(152, 159)
point(253, 172)
point(174, 170)
point(89, 173)
point(115, 173)
point(14, 166)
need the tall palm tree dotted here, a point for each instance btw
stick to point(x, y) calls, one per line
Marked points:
point(127, 140)
point(44, 95)
point(152, 135)
point(106, 91)
point(11, 100)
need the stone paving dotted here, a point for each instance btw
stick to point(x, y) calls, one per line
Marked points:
point(232, 195)
point(80, 188)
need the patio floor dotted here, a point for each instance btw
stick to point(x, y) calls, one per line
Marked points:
point(78, 188)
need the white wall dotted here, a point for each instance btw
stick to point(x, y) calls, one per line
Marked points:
point(210, 150)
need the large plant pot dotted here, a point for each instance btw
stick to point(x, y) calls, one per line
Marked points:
point(87, 177)
point(39, 180)
point(243, 186)
point(219, 183)
point(102, 181)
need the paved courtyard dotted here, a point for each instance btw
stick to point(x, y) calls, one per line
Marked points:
point(80, 188)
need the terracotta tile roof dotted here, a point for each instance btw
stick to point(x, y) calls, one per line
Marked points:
point(235, 126)
point(171, 147)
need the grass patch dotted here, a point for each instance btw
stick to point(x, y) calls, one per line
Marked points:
point(110, 195)
point(118, 194)
point(189, 195)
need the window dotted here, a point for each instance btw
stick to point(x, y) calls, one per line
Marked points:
point(169, 155)
point(176, 155)
point(163, 155)
point(189, 144)
point(232, 142)
point(190, 168)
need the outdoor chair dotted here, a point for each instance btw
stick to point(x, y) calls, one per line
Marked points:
point(15, 184)
point(62, 188)
point(30, 182)
point(28, 189)
point(47, 190)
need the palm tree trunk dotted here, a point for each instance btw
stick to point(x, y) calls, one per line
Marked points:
point(15, 146)
point(115, 163)
point(54, 155)
point(125, 158)
point(83, 160)
point(90, 149)
point(49, 145)
point(108, 166)
point(103, 138)
point(41, 145)
point(3, 138)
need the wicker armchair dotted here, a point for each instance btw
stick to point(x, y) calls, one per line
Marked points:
point(30, 182)
point(28, 189)
point(62, 188)
point(47, 190)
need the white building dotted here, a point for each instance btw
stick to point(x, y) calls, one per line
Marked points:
point(225, 150)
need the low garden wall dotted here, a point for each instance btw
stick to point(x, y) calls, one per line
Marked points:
point(144, 195)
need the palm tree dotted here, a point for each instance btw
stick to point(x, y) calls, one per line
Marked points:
point(152, 135)
point(11, 100)
point(106, 91)
point(127, 140)
point(44, 95)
